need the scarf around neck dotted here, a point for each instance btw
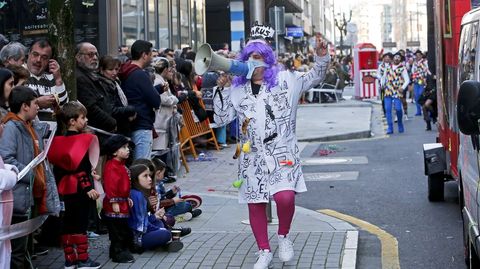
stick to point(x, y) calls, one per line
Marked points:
point(39, 182)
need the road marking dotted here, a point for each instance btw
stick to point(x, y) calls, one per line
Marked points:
point(390, 258)
point(331, 176)
point(334, 160)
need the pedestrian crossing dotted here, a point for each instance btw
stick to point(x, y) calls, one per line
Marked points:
point(333, 176)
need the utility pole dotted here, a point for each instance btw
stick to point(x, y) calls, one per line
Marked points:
point(418, 27)
point(60, 33)
point(342, 27)
point(411, 27)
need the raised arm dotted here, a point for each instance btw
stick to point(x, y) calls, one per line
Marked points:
point(317, 73)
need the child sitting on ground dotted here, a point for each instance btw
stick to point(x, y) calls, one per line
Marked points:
point(153, 200)
point(116, 204)
point(149, 231)
point(176, 206)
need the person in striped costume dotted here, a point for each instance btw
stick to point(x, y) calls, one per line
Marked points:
point(396, 81)
point(419, 76)
point(382, 66)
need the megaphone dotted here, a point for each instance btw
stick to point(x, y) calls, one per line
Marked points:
point(208, 60)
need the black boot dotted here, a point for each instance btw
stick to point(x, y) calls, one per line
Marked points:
point(429, 126)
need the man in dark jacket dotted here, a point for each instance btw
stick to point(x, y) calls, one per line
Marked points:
point(90, 92)
point(142, 95)
point(93, 94)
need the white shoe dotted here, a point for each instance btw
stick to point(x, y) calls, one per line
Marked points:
point(264, 259)
point(405, 117)
point(285, 248)
point(184, 217)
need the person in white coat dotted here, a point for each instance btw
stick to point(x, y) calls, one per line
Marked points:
point(265, 102)
point(168, 104)
point(8, 179)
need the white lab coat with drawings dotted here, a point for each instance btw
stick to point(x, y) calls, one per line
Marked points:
point(8, 179)
point(162, 116)
point(270, 132)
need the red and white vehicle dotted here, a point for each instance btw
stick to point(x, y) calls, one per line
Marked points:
point(456, 155)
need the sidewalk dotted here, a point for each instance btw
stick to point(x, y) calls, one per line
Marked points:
point(219, 239)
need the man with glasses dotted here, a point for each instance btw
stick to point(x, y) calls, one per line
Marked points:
point(45, 79)
point(91, 92)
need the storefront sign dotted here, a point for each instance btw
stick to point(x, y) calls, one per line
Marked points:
point(294, 31)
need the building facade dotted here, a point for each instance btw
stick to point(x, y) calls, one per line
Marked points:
point(111, 23)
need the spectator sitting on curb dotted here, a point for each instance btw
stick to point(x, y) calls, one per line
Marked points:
point(149, 231)
point(171, 200)
point(153, 201)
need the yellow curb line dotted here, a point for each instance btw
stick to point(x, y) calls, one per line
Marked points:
point(390, 258)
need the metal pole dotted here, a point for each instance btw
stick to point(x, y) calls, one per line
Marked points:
point(418, 30)
point(257, 11)
point(276, 11)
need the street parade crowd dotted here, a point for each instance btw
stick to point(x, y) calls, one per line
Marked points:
point(98, 164)
point(73, 169)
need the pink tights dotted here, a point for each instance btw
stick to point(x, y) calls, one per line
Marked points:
point(285, 201)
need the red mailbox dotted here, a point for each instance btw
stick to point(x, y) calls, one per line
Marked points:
point(365, 59)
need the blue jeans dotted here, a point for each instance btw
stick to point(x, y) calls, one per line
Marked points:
point(221, 134)
point(234, 129)
point(143, 140)
point(397, 104)
point(155, 239)
point(179, 208)
point(417, 92)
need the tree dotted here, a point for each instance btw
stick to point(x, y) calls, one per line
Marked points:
point(60, 33)
point(342, 27)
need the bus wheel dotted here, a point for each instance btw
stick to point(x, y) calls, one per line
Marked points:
point(435, 187)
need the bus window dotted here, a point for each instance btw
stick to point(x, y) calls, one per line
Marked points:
point(473, 50)
point(468, 51)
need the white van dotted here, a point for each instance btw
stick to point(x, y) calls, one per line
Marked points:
point(468, 119)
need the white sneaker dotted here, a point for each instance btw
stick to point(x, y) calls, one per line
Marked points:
point(285, 248)
point(184, 217)
point(405, 117)
point(264, 259)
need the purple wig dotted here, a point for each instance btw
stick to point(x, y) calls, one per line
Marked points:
point(270, 75)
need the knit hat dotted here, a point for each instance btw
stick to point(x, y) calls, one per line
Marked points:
point(113, 143)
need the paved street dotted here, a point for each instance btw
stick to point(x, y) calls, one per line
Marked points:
point(359, 171)
point(220, 239)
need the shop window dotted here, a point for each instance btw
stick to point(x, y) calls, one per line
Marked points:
point(133, 22)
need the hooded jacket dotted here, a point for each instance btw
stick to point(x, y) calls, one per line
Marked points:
point(141, 94)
